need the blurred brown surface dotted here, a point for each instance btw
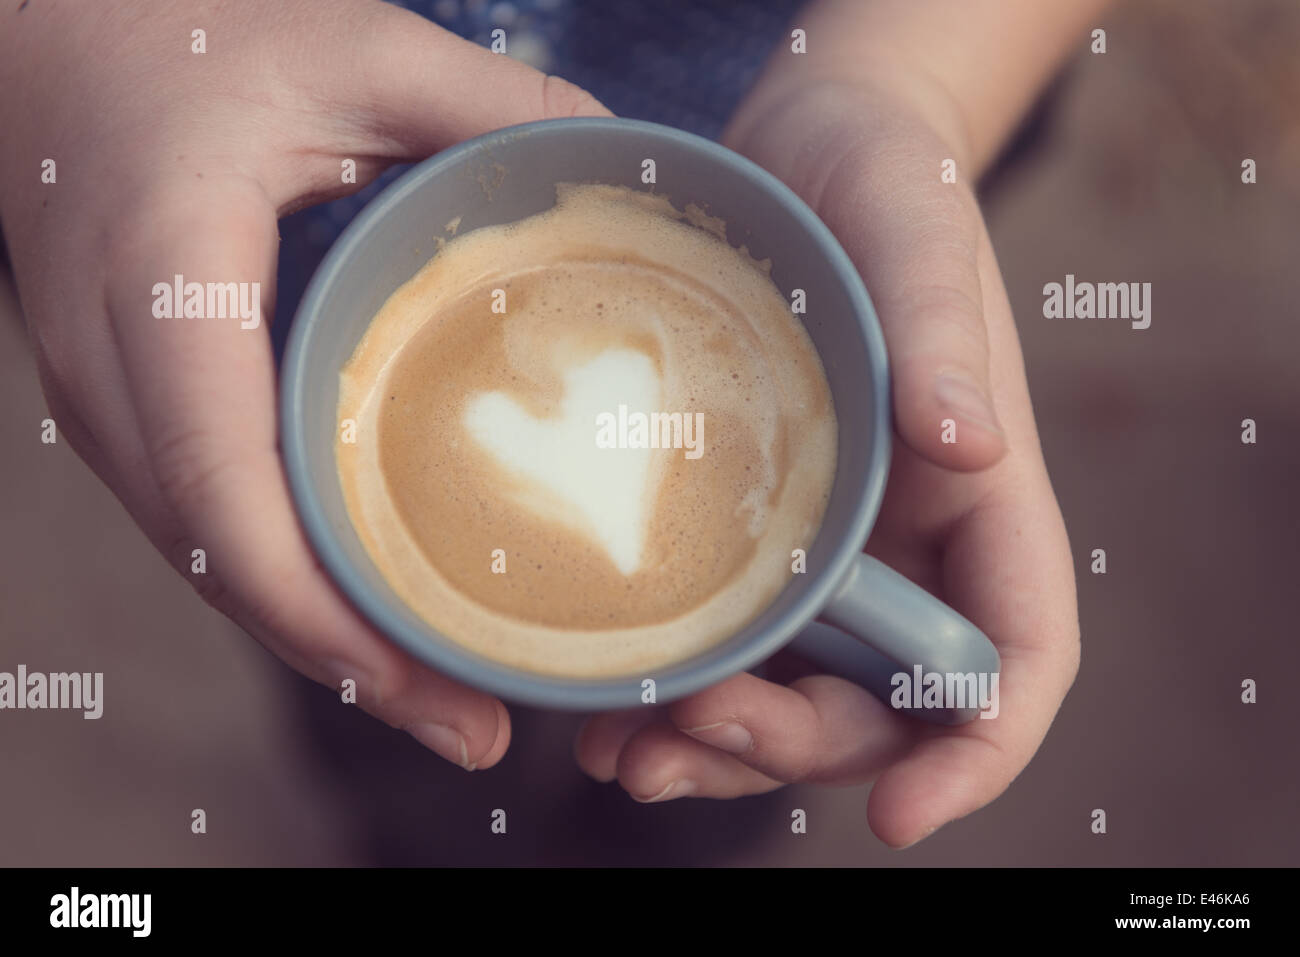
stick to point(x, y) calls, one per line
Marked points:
point(1133, 174)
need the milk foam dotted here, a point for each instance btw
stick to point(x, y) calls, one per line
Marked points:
point(477, 486)
point(609, 490)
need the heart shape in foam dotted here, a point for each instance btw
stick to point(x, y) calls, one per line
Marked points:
point(607, 489)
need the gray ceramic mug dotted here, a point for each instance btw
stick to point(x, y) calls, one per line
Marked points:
point(874, 623)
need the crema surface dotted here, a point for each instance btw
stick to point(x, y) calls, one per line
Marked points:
point(587, 442)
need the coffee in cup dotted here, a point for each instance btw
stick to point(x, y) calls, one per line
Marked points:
point(589, 443)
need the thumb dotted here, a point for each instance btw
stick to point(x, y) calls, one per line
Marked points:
point(422, 88)
point(916, 241)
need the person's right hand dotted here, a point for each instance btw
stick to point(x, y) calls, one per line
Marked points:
point(174, 162)
point(974, 522)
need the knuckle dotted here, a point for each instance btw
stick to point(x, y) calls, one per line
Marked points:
point(951, 303)
point(939, 240)
point(186, 467)
point(804, 767)
point(801, 754)
point(59, 385)
point(54, 365)
point(389, 691)
point(948, 324)
point(212, 590)
point(209, 586)
point(259, 608)
point(953, 326)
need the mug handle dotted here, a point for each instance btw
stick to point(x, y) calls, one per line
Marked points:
point(893, 626)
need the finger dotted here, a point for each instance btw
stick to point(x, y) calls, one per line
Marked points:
point(91, 407)
point(914, 238)
point(601, 738)
point(81, 375)
point(820, 729)
point(411, 90)
point(954, 772)
point(659, 763)
point(426, 88)
point(204, 397)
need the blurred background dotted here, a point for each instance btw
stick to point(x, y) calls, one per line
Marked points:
point(1129, 170)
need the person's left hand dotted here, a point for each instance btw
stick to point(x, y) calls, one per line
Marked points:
point(177, 163)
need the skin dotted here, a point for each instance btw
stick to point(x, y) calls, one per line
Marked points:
point(860, 133)
point(171, 162)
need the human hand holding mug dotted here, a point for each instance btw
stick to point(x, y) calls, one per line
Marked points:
point(862, 132)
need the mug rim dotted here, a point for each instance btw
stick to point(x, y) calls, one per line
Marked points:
point(444, 654)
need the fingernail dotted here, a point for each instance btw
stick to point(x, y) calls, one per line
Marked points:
point(444, 741)
point(682, 787)
point(725, 736)
point(959, 395)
